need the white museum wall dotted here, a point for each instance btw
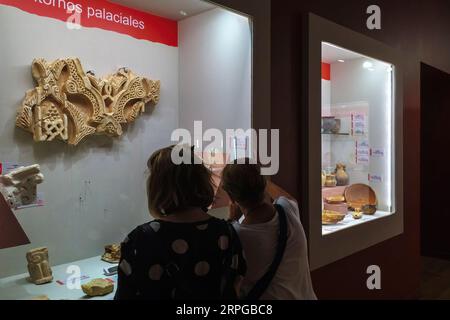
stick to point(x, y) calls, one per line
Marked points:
point(326, 111)
point(351, 83)
point(95, 192)
point(215, 70)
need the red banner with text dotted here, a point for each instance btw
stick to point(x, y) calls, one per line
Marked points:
point(104, 15)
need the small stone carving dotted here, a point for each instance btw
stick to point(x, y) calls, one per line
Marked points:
point(41, 297)
point(98, 287)
point(19, 186)
point(38, 266)
point(112, 253)
point(357, 215)
point(69, 104)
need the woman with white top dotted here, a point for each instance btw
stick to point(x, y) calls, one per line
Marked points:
point(272, 237)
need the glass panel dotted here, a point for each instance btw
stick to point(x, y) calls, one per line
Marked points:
point(94, 194)
point(357, 133)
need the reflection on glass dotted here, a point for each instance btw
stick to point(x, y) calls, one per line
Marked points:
point(357, 128)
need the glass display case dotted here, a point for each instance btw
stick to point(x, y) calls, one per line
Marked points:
point(356, 138)
point(355, 142)
point(91, 115)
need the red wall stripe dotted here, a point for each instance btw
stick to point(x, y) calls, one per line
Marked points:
point(105, 15)
point(326, 71)
point(11, 233)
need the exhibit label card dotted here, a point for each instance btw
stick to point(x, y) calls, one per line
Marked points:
point(378, 152)
point(363, 159)
point(362, 152)
point(6, 167)
point(375, 178)
point(38, 203)
point(358, 124)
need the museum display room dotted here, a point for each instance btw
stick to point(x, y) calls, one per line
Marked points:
point(89, 90)
point(355, 139)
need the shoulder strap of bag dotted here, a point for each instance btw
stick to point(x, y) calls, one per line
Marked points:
point(262, 285)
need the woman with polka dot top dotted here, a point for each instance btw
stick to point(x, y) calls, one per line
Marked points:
point(185, 253)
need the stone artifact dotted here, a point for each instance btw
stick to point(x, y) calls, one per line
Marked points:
point(69, 104)
point(19, 186)
point(342, 177)
point(357, 214)
point(42, 297)
point(112, 253)
point(38, 266)
point(98, 287)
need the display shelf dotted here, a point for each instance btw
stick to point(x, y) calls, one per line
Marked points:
point(335, 134)
point(349, 222)
point(18, 288)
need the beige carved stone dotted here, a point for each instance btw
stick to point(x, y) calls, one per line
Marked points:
point(41, 297)
point(69, 104)
point(19, 186)
point(112, 253)
point(98, 287)
point(38, 266)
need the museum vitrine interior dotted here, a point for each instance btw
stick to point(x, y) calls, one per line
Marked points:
point(354, 137)
point(84, 106)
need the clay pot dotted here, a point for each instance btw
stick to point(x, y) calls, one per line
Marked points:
point(330, 181)
point(359, 195)
point(342, 177)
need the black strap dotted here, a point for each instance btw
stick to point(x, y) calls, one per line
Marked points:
point(263, 283)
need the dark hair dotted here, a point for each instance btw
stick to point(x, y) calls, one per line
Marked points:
point(244, 183)
point(173, 187)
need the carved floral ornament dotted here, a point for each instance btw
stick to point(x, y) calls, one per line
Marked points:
point(69, 104)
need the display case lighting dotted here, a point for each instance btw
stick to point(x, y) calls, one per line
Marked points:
point(368, 65)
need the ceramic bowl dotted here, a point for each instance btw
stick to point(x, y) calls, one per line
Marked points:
point(331, 125)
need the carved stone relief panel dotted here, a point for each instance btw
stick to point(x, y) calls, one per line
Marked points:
point(69, 104)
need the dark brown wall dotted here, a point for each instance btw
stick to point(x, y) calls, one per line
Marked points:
point(421, 31)
point(435, 218)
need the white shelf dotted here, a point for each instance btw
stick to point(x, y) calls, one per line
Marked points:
point(18, 288)
point(349, 222)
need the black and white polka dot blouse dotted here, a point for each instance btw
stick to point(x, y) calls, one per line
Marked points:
point(167, 260)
